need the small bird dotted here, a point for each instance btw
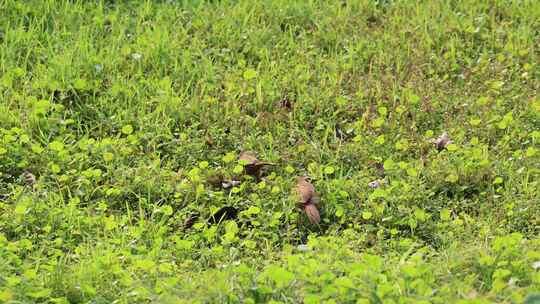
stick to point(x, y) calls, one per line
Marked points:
point(252, 166)
point(308, 199)
point(442, 141)
point(190, 220)
point(375, 184)
point(29, 178)
point(219, 180)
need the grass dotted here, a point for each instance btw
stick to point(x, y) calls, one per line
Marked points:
point(118, 118)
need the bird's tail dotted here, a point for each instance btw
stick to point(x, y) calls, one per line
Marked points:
point(312, 213)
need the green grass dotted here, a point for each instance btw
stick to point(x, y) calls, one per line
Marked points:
point(115, 116)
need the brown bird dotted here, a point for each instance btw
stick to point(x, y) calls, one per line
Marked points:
point(442, 141)
point(29, 178)
point(308, 199)
point(252, 166)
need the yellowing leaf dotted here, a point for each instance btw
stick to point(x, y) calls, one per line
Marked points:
point(329, 170)
point(55, 168)
point(389, 164)
point(279, 275)
point(420, 215)
point(229, 157)
point(475, 121)
point(108, 156)
point(43, 293)
point(452, 178)
point(445, 214)
point(203, 165)
point(252, 210)
point(127, 129)
point(145, 265)
point(249, 74)
point(452, 147)
point(20, 209)
point(412, 172)
point(366, 215)
point(238, 169)
point(167, 210)
point(56, 146)
point(530, 152)
point(6, 296)
point(80, 84)
point(498, 181)
point(166, 267)
point(184, 244)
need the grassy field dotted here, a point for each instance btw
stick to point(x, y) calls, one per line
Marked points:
point(121, 124)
